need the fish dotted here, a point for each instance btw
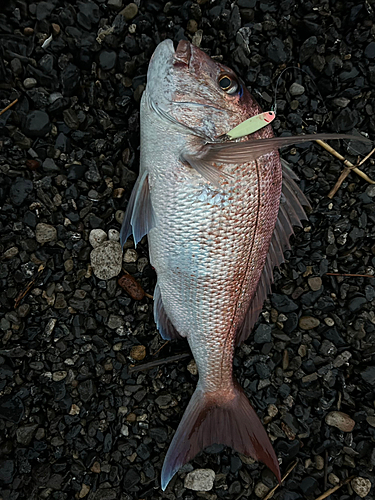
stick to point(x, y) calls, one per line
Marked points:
point(219, 214)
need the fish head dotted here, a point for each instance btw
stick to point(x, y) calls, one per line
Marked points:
point(197, 91)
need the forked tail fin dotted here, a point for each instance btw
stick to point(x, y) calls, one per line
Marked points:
point(218, 418)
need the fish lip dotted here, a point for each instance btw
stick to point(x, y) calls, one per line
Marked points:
point(182, 53)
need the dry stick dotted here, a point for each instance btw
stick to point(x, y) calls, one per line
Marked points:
point(346, 171)
point(160, 348)
point(332, 490)
point(8, 107)
point(271, 492)
point(157, 362)
point(28, 287)
point(351, 275)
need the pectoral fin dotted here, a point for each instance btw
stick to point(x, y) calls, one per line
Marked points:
point(242, 152)
point(139, 216)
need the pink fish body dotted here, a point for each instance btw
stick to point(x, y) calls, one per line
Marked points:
point(216, 230)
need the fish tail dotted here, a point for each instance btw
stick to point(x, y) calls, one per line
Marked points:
point(225, 417)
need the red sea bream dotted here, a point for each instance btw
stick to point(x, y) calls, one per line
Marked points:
point(216, 228)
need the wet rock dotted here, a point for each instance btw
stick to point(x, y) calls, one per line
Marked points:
point(308, 48)
point(138, 352)
point(7, 470)
point(97, 237)
point(296, 89)
point(26, 433)
point(368, 375)
point(276, 51)
point(262, 334)
point(130, 11)
point(370, 50)
point(86, 390)
point(340, 420)
point(308, 322)
point(282, 303)
point(261, 490)
point(37, 124)
point(361, 486)
point(200, 480)
point(12, 408)
point(45, 233)
point(107, 60)
point(19, 190)
point(106, 260)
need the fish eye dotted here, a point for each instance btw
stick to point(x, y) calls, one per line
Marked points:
point(227, 84)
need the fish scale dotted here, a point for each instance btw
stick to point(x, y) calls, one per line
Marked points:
point(211, 209)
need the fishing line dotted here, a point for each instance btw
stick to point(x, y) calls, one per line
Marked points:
point(319, 95)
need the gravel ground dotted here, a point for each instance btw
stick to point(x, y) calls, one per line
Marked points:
point(75, 422)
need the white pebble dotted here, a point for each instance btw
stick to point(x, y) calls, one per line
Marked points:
point(200, 480)
point(130, 256)
point(113, 235)
point(97, 237)
point(106, 260)
point(361, 486)
point(29, 83)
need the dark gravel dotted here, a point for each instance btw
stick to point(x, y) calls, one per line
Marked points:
point(75, 422)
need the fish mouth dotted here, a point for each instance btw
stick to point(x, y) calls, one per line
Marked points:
point(182, 53)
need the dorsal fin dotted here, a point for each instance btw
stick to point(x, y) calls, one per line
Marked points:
point(291, 213)
point(139, 217)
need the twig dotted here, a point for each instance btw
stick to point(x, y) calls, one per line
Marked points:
point(157, 362)
point(271, 492)
point(8, 107)
point(349, 166)
point(335, 488)
point(160, 348)
point(28, 287)
point(351, 275)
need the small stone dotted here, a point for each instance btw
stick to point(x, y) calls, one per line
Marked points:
point(69, 265)
point(19, 190)
point(55, 29)
point(130, 11)
point(26, 433)
point(272, 410)
point(371, 420)
point(130, 255)
point(74, 409)
point(107, 59)
point(333, 479)
point(370, 191)
point(296, 89)
point(138, 352)
point(45, 233)
point(131, 286)
point(341, 102)
point(370, 50)
point(192, 26)
point(29, 83)
point(37, 124)
point(106, 260)
point(200, 480)
point(115, 4)
point(340, 420)
point(192, 367)
point(115, 321)
point(95, 468)
point(97, 237)
point(342, 359)
point(84, 491)
point(319, 462)
point(308, 322)
point(368, 375)
point(57, 376)
point(361, 486)
point(315, 283)
point(28, 31)
point(7, 470)
point(10, 253)
point(261, 490)
point(262, 334)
